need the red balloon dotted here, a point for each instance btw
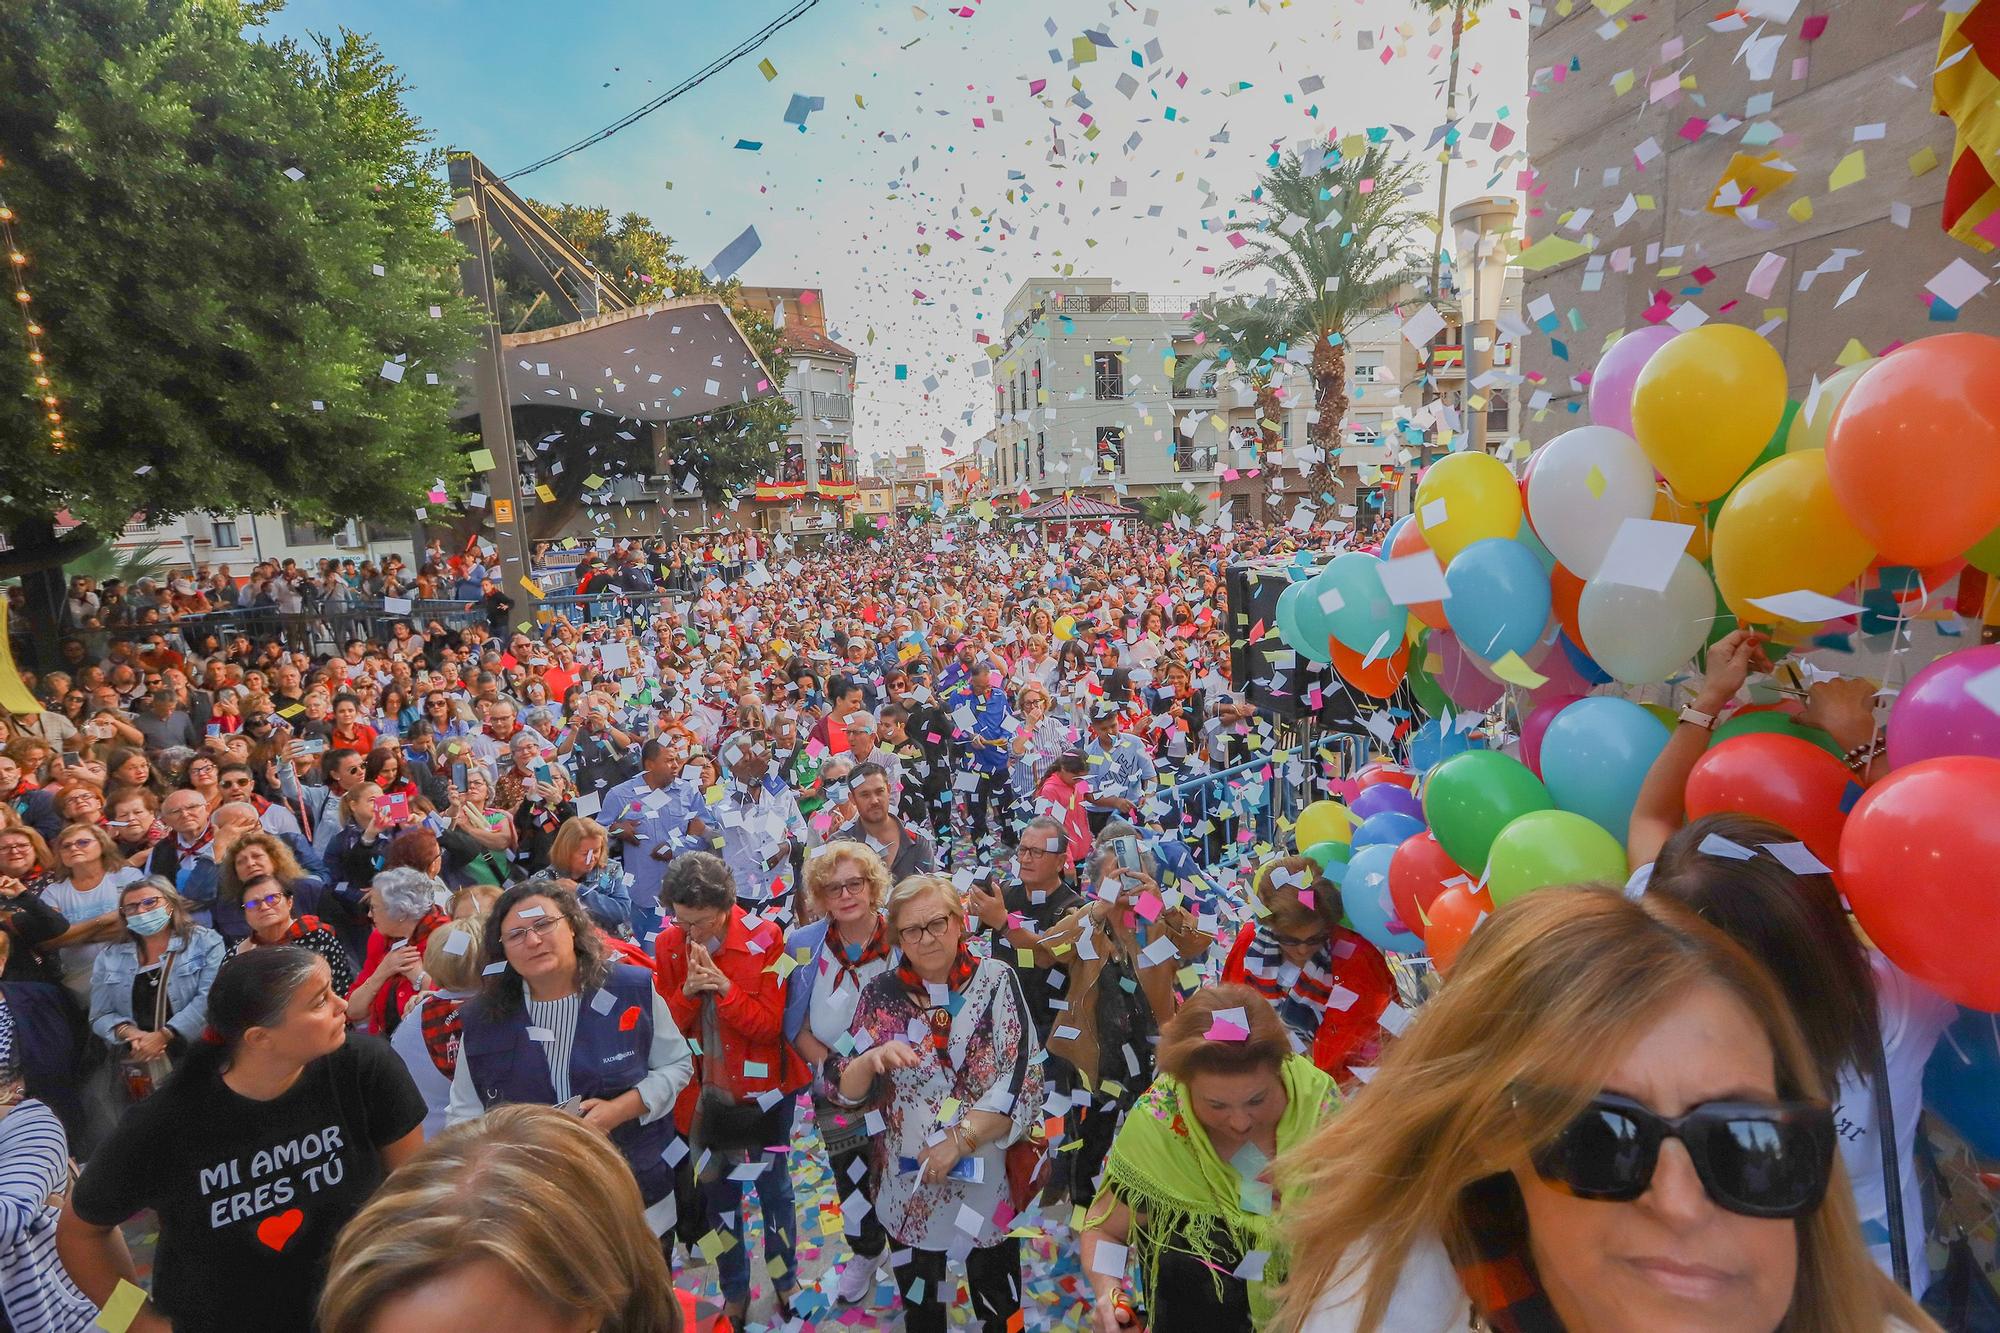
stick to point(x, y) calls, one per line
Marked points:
point(1417, 873)
point(1920, 863)
point(1453, 915)
point(1793, 783)
point(1379, 678)
point(1367, 777)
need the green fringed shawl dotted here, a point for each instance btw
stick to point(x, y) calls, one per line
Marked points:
point(1164, 1168)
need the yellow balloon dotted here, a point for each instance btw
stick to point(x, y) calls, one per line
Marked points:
point(1065, 628)
point(1782, 531)
point(1706, 405)
point(1466, 498)
point(1811, 434)
point(1323, 821)
point(1670, 508)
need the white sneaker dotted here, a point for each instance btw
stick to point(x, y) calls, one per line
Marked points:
point(857, 1281)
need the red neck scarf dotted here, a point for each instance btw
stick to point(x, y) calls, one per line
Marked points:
point(939, 1016)
point(848, 964)
point(189, 850)
point(392, 998)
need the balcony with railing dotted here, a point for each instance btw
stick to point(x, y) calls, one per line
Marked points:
point(832, 406)
point(1195, 458)
point(1203, 386)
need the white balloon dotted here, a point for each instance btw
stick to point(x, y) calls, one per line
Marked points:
point(1576, 513)
point(1641, 636)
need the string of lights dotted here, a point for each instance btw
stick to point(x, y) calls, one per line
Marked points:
point(17, 271)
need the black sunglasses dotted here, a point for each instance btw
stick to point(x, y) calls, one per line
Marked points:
point(1759, 1159)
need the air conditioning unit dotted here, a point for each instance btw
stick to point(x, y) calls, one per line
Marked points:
point(348, 538)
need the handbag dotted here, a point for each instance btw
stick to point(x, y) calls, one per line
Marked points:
point(1027, 1168)
point(724, 1126)
point(142, 1077)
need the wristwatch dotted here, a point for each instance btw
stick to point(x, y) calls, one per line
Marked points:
point(1693, 715)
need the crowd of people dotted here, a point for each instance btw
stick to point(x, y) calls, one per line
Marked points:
point(406, 979)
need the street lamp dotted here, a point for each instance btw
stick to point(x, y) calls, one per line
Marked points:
point(1480, 228)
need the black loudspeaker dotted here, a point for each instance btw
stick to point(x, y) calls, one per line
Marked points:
point(1276, 680)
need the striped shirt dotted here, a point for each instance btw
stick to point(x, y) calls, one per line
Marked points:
point(552, 1023)
point(35, 1291)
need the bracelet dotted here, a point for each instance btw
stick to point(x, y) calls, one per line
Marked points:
point(966, 1142)
point(1861, 756)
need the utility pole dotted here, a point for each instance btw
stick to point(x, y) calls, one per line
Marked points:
point(496, 418)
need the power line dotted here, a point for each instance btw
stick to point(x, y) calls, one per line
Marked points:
point(693, 81)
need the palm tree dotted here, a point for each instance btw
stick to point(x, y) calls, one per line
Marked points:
point(1337, 244)
point(1252, 339)
point(1458, 10)
point(1161, 507)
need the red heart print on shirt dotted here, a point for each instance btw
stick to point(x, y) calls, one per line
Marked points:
point(277, 1230)
point(629, 1019)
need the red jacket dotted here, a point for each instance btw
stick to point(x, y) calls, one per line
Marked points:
point(752, 1014)
point(1350, 1036)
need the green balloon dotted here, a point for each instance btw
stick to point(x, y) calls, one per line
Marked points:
point(1548, 847)
point(1471, 797)
point(1424, 683)
point(1779, 724)
point(1324, 854)
point(1985, 553)
point(1774, 448)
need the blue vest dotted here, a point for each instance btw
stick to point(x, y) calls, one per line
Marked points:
point(604, 1062)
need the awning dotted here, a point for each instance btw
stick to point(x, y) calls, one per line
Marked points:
point(661, 361)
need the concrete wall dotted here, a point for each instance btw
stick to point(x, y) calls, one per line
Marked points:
point(1870, 65)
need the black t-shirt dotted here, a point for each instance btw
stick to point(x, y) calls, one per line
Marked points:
point(251, 1195)
point(1040, 987)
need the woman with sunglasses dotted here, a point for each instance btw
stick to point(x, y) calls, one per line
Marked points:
point(1510, 1159)
point(268, 907)
point(558, 1024)
point(967, 1086)
point(1296, 954)
point(149, 988)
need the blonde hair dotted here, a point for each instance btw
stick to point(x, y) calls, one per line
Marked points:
point(481, 896)
point(1548, 992)
point(457, 971)
point(819, 873)
point(529, 1188)
point(921, 886)
point(574, 832)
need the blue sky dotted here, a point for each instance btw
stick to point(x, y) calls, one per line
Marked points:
point(929, 124)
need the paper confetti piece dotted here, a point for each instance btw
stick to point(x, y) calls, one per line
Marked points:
point(123, 1307)
point(767, 69)
point(1551, 250)
point(1851, 170)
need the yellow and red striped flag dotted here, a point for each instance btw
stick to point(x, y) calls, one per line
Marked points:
point(1966, 87)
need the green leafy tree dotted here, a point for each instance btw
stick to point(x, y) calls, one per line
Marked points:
point(1459, 10)
point(628, 249)
point(1253, 340)
point(1337, 243)
point(1161, 508)
point(227, 240)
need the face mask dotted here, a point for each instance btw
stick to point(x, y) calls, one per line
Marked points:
point(149, 923)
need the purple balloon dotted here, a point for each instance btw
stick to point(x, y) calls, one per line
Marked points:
point(1936, 716)
point(1458, 674)
point(1536, 725)
point(1385, 798)
point(1618, 372)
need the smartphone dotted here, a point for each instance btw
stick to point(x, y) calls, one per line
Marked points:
point(969, 1169)
point(392, 809)
point(458, 776)
point(313, 745)
point(1125, 852)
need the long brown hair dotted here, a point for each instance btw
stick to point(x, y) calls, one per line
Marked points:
point(1546, 994)
point(529, 1188)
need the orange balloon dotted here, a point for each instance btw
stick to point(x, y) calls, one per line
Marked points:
point(1378, 679)
point(1409, 542)
point(1565, 591)
point(1449, 923)
point(1914, 449)
point(1670, 508)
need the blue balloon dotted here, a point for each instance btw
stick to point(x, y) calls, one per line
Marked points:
point(1286, 615)
point(1365, 894)
point(1385, 798)
point(1390, 827)
point(1499, 598)
point(1359, 613)
point(1582, 661)
point(1962, 1080)
point(1595, 754)
point(1434, 742)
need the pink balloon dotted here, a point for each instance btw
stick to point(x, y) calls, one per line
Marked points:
point(1459, 674)
point(1536, 724)
point(1936, 717)
point(1618, 371)
point(1564, 680)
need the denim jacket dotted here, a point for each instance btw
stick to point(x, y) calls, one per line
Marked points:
point(196, 961)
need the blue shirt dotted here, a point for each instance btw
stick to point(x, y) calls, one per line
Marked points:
point(989, 723)
point(663, 815)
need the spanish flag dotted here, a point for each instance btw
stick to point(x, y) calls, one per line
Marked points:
point(1966, 87)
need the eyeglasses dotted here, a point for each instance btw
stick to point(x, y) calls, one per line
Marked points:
point(238, 780)
point(265, 903)
point(76, 844)
point(541, 930)
point(1029, 849)
point(842, 888)
point(1758, 1159)
point(933, 929)
point(1301, 941)
point(139, 905)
